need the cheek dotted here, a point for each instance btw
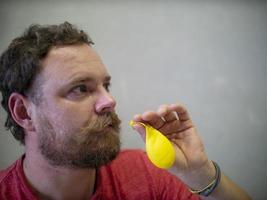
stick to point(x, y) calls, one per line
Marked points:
point(69, 116)
point(63, 122)
point(72, 117)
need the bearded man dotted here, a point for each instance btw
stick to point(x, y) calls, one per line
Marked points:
point(55, 90)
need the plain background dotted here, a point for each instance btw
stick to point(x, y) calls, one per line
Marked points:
point(209, 55)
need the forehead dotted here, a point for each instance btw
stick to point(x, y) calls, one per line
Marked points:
point(63, 63)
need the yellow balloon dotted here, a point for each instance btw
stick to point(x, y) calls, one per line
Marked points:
point(159, 149)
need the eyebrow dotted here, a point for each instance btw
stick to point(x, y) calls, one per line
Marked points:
point(107, 79)
point(87, 79)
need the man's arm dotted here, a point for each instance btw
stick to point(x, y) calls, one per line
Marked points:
point(191, 164)
point(226, 188)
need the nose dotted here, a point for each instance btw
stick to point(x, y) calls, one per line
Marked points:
point(105, 102)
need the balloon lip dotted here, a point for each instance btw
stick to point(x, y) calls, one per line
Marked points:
point(141, 123)
point(131, 123)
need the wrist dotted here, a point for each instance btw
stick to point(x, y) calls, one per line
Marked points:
point(207, 190)
point(200, 177)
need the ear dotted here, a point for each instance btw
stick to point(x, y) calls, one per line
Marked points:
point(20, 109)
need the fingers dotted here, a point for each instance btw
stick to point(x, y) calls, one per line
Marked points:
point(174, 115)
point(173, 112)
point(150, 117)
point(181, 111)
point(165, 113)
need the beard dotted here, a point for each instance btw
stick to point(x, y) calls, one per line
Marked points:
point(97, 144)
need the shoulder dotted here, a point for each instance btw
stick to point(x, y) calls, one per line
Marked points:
point(13, 183)
point(8, 181)
point(6, 173)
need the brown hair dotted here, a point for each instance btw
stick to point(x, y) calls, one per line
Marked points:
point(20, 62)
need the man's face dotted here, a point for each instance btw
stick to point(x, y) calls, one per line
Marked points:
point(75, 121)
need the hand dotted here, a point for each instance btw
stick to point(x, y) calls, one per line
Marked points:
point(192, 163)
point(175, 123)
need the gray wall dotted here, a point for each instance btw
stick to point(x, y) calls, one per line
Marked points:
point(210, 55)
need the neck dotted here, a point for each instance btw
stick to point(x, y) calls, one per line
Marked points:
point(57, 183)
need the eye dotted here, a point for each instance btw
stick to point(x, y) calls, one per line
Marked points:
point(107, 86)
point(79, 89)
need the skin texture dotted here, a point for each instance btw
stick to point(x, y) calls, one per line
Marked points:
point(75, 92)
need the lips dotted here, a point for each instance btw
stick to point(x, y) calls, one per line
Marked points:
point(109, 127)
point(106, 123)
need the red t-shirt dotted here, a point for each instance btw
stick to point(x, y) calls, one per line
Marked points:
point(130, 176)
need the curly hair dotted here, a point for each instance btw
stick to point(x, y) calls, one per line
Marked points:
point(20, 62)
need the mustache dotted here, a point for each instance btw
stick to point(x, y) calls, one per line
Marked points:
point(109, 119)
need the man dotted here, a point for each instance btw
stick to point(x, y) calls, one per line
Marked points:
point(55, 90)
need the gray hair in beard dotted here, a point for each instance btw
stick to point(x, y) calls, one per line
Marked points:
point(97, 144)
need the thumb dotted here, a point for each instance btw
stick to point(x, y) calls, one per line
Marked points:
point(141, 130)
